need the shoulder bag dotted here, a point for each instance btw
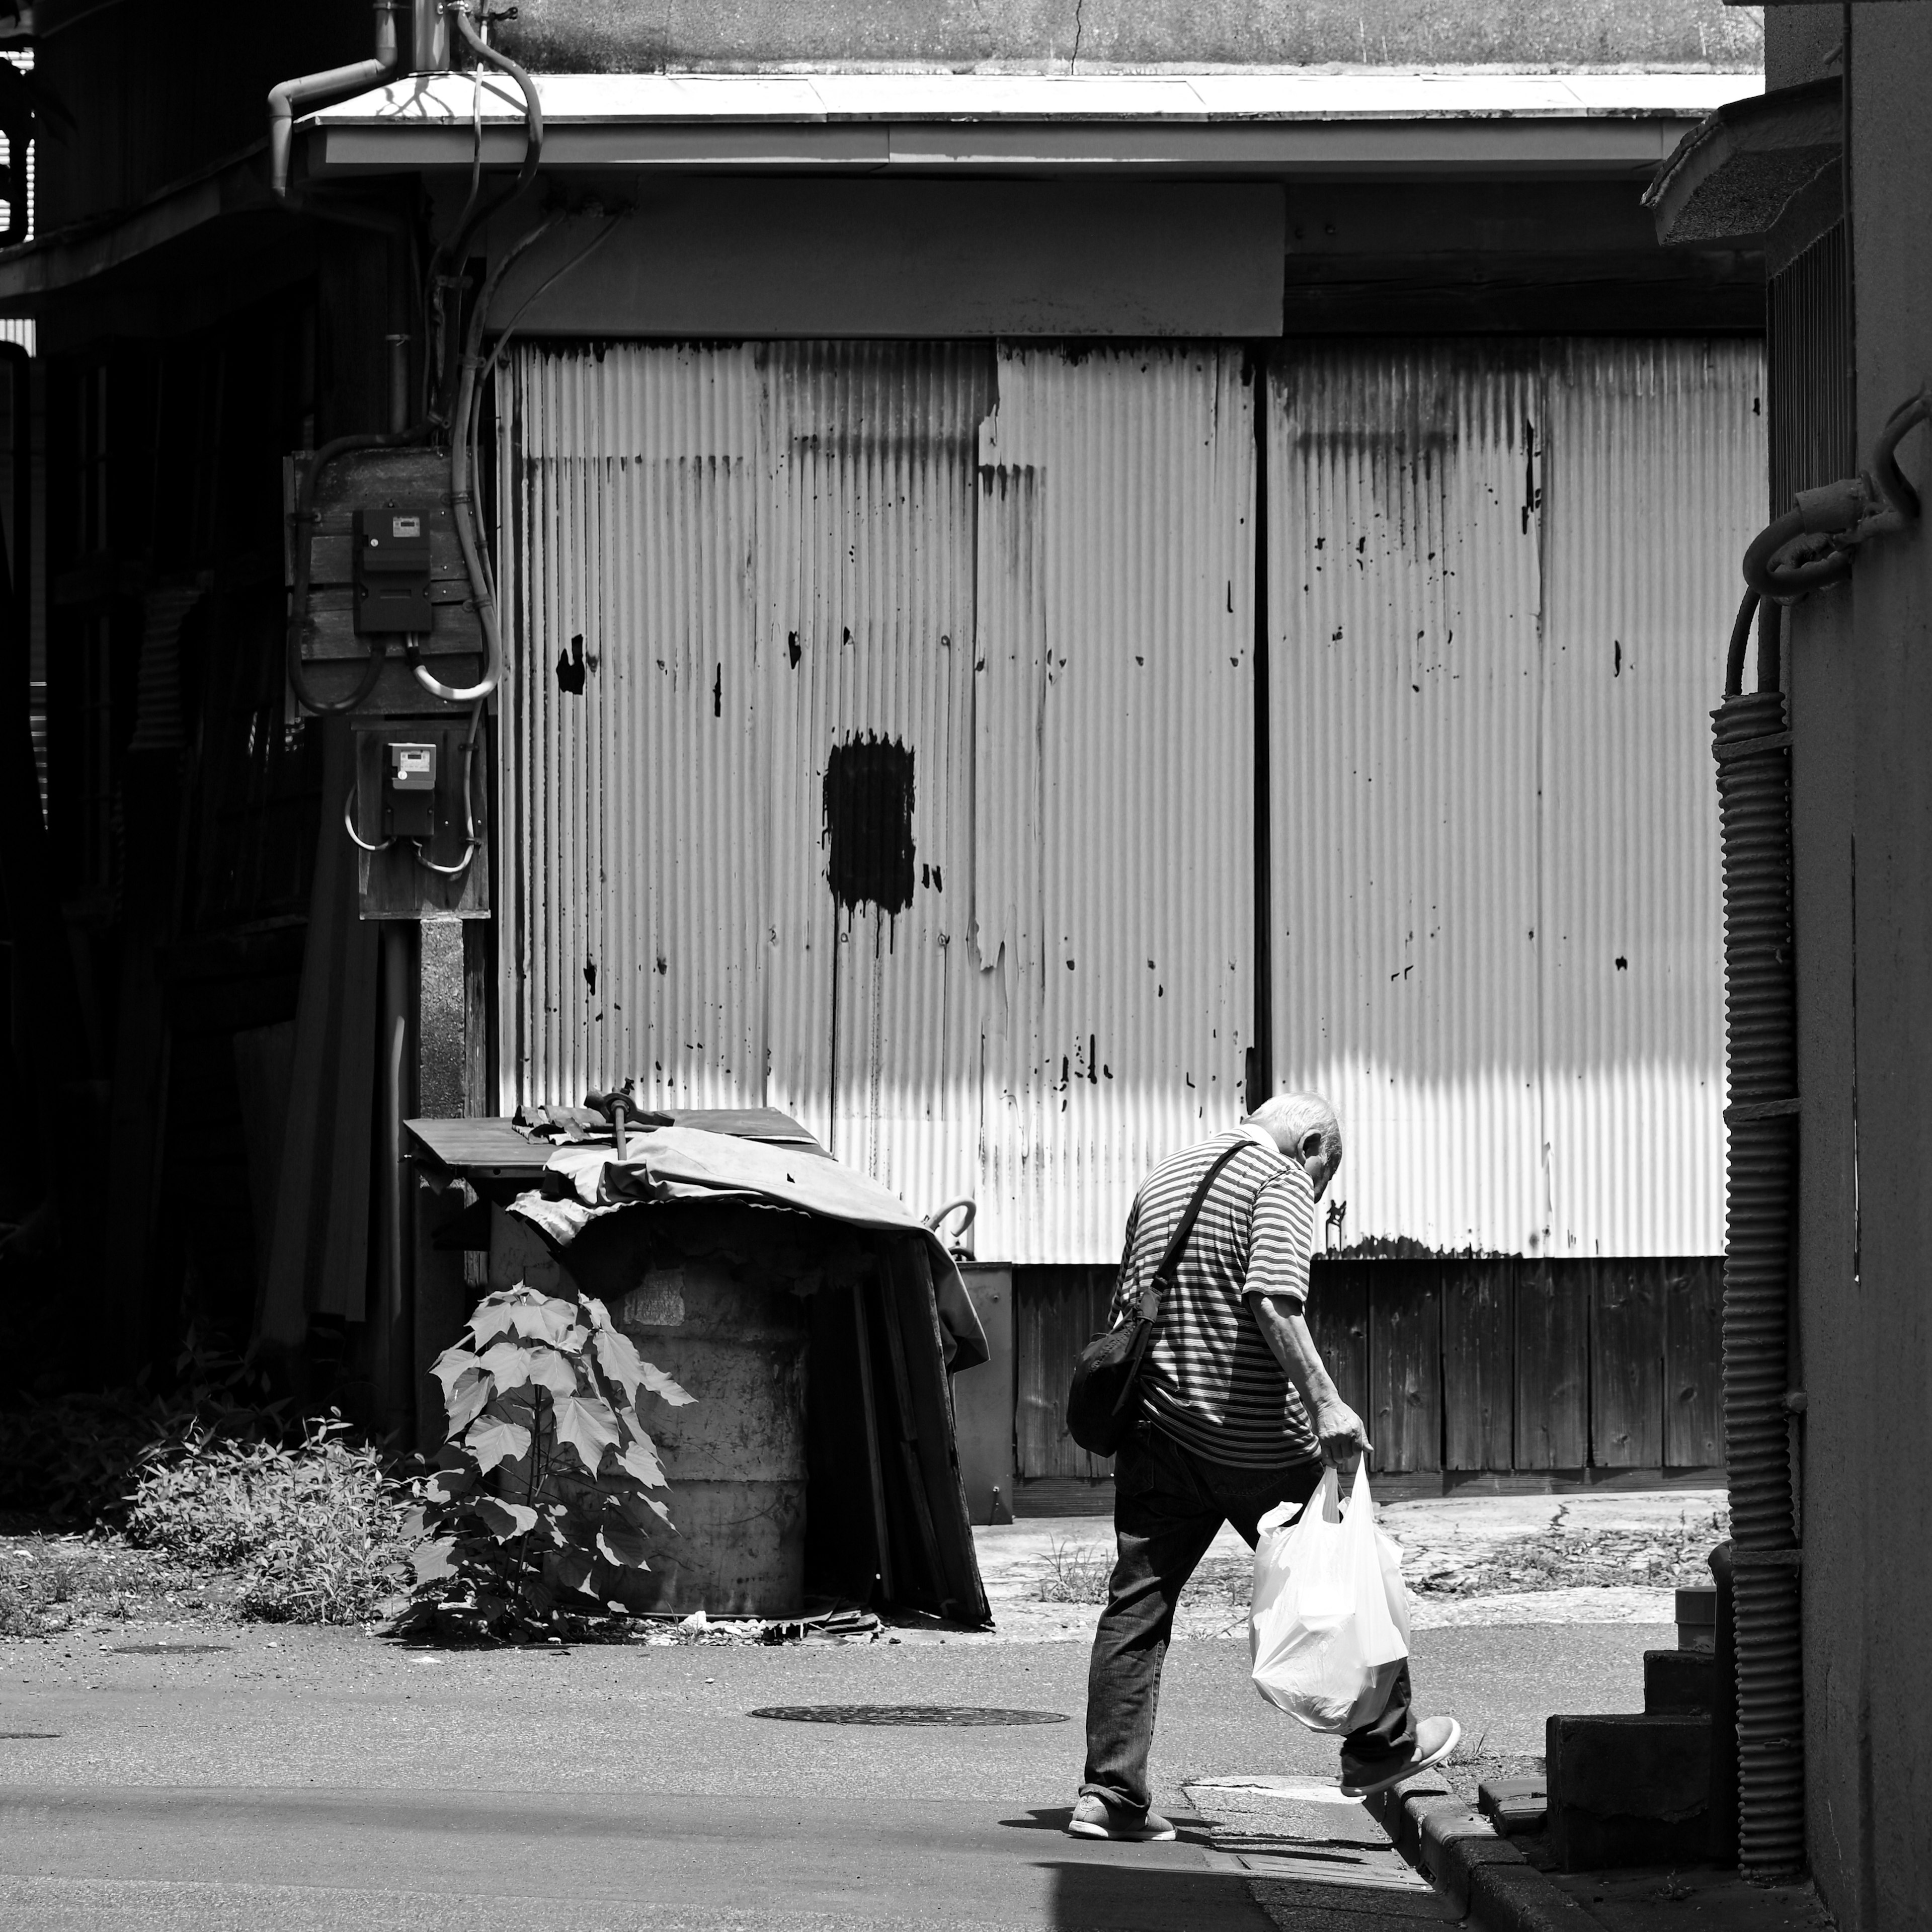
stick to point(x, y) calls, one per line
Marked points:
point(1100, 1404)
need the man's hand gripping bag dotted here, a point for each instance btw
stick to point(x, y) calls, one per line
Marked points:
point(1329, 1625)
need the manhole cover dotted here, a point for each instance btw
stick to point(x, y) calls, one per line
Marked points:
point(13, 1737)
point(905, 1714)
point(169, 1649)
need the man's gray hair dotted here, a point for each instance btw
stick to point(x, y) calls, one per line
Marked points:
point(1294, 1117)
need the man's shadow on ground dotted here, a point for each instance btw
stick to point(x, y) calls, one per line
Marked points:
point(1105, 1883)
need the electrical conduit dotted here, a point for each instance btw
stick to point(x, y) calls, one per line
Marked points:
point(1811, 546)
point(1753, 744)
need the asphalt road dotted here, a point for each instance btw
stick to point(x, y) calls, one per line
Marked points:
point(320, 1779)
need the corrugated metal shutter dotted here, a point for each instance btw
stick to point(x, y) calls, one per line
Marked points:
point(1501, 576)
point(1653, 468)
point(1115, 772)
point(772, 556)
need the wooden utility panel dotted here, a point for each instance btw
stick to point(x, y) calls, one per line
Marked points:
point(334, 655)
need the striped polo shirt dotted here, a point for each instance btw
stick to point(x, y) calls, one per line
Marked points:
point(1209, 1379)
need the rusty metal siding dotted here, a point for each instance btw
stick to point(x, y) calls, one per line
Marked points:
point(632, 808)
point(1016, 598)
point(864, 587)
point(1654, 452)
point(1114, 779)
point(1501, 576)
point(1404, 567)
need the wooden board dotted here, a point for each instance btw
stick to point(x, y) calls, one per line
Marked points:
point(1693, 1363)
point(1478, 1364)
point(1552, 1366)
point(1056, 1311)
point(1405, 1365)
point(1338, 1319)
point(495, 1148)
point(1626, 1363)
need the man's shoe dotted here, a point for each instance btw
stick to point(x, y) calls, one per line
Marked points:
point(1435, 1737)
point(1095, 1818)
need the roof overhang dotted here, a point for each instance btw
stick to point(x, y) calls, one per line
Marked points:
point(1731, 178)
point(1229, 122)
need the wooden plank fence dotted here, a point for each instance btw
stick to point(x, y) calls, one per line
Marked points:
point(1505, 1367)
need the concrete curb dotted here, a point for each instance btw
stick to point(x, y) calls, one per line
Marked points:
point(1488, 1877)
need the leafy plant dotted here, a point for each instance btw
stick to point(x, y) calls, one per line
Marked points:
point(314, 1526)
point(541, 1492)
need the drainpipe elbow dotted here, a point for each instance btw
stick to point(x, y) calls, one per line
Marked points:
point(287, 98)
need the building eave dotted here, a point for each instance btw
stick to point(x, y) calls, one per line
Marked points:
point(1243, 122)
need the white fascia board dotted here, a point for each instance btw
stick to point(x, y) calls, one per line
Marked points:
point(1304, 119)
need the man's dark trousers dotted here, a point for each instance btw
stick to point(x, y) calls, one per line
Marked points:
point(1168, 1506)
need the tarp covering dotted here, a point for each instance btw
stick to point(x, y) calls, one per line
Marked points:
point(663, 1164)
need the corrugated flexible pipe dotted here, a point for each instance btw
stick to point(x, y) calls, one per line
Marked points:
point(1811, 546)
point(1752, 743)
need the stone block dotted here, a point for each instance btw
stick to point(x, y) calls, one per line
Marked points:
point(1627, 1790)
point(1679, 1683)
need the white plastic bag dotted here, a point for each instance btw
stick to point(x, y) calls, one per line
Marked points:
point(1329, 1628)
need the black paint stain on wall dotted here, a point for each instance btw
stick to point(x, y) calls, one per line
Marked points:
point(868, 799)
point(570, 667)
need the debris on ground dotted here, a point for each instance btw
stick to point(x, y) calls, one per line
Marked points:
point(51, 1582)
point(1562, 1556)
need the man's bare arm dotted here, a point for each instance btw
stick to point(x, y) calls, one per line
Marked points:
point(1286, 1330)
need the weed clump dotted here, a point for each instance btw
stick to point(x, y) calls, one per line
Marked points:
point(314, 1527)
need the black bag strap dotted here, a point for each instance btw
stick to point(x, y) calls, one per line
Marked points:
point(1163, 1275)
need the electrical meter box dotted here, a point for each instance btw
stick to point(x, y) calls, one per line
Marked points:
point(393, 566)
point(408, 794)
point(420, 815)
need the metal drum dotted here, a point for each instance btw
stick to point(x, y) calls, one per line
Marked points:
point(736, 1456)
point(707, 1295)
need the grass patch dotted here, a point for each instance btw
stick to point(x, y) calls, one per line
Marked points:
point(1076, 1572)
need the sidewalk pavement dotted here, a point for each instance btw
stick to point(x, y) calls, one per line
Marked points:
point(307, 1781)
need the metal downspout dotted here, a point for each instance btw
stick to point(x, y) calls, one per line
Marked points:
point(287, 98)
point(1752, 743)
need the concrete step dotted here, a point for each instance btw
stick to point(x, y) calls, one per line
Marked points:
point(1679, 1683)
point(1627, 1790)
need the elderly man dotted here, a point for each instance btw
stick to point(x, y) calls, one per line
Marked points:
point(1237, 1415)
